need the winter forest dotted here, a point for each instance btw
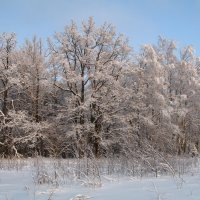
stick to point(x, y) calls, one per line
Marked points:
point(84, 115)
point(85, 93)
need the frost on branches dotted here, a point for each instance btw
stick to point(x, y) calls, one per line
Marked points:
point(88, 95)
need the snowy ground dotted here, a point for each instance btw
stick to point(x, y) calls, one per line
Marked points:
point(29, 181)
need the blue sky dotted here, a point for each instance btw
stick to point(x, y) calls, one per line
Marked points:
point(142, 21)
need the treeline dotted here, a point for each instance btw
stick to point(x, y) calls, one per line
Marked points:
point(88, 94)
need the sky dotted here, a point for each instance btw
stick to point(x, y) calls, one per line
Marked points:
point(142, 21)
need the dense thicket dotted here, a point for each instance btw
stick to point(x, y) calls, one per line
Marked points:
point(88, 94)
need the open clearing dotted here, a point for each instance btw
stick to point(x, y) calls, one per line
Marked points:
point(58, 180)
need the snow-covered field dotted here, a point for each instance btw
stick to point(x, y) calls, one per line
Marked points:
point(57, 180)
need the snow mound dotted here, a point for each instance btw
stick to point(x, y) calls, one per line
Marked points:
point(80, 197)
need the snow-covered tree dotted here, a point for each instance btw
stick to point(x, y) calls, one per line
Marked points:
point(33, 76)
point(8, 76)
point(91, 61)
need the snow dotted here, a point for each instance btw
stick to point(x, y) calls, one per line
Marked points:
point(20, 184)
